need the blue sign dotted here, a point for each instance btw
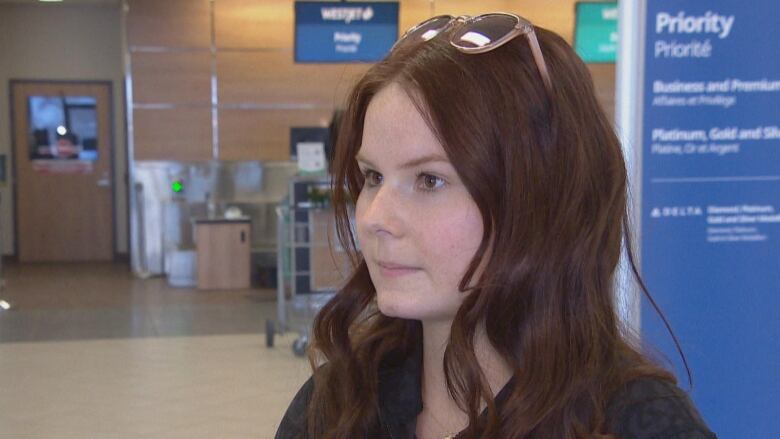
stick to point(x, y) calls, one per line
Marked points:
point(595, 31)
point(711, 203)
point(331, 32)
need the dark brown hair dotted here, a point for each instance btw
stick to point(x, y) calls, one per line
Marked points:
point(547, 173)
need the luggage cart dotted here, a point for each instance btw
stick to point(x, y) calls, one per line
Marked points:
point(307, 276)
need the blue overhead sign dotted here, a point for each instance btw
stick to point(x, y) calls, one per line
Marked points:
point(711, 203)
point(327, 32)
point(595, 31)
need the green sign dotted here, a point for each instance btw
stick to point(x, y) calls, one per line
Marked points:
point(177, 186)
point(595, 31)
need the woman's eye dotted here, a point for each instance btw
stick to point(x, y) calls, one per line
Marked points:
point(372, 178)
point(430, 182)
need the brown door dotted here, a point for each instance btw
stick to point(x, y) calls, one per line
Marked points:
point(62, 154)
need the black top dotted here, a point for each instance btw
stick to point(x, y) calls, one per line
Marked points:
point(647, 408)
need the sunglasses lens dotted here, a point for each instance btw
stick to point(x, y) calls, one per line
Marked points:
point(428, 29)
point(483, 31)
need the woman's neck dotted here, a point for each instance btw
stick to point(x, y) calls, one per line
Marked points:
point(437, 402)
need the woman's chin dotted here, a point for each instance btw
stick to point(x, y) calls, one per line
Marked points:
point(392, 304)
point(396, 304)
point(388, 305)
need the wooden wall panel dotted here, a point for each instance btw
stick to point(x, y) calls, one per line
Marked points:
point(413, 12)
point(175, 134)
point(259, 71)
point(272, 77)
point(174, 77)
point(169, 23)
point(253, 23)
point(604, 83)
point(263, 134)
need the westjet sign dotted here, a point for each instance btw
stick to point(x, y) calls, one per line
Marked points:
point(347, 15)
point(328, 32)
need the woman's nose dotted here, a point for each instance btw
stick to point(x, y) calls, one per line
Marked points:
point(384, 213)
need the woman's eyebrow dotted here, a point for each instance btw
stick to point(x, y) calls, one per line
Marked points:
point(430, 158)
point(360, 158)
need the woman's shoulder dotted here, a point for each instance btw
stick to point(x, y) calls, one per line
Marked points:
point(293, 424)
point(654, 408)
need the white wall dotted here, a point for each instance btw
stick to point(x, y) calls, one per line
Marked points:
point(69, 42)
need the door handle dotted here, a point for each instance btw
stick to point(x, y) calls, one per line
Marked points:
point(243, 236)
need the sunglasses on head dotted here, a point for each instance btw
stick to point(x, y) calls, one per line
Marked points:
point(479, 34)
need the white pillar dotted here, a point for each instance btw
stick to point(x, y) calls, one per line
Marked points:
point(628, 120)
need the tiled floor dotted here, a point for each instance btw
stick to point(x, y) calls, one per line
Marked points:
point(89, 351)
point(85, 301)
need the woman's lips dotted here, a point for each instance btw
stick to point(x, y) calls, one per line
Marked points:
point(394, 270)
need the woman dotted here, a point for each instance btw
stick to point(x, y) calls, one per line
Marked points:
point(490, 206)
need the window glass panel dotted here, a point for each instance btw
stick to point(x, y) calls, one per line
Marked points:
point(63, 127)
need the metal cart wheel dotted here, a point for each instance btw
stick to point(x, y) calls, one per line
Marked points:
point(299, 346)
point(270, 331)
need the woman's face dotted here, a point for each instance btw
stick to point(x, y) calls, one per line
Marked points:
point(417, 225)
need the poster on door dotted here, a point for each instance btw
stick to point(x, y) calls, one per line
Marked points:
point(711, 203)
